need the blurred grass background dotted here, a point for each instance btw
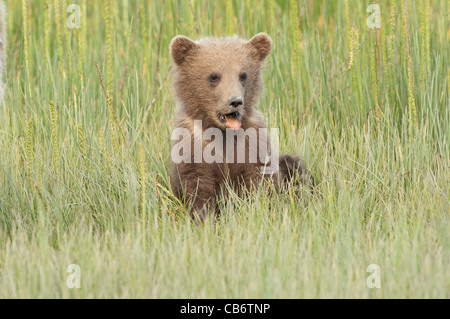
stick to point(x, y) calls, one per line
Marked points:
point(84, 168)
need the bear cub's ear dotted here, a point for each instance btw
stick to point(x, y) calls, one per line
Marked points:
point(260, 46)
point(180, 48)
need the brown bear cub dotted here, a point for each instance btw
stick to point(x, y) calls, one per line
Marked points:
point(218, 84)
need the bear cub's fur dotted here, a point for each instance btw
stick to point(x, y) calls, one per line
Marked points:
point(214, 78)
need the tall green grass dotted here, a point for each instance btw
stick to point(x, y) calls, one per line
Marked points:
point(84, 179)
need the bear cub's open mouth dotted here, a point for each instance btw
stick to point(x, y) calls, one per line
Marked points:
point(233, 120)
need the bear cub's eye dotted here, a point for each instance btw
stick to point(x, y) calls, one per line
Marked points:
point(213, 77)
point(243, 77)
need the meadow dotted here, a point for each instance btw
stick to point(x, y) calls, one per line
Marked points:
point(85, 130)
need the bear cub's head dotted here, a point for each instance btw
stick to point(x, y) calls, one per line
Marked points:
point(218, 81)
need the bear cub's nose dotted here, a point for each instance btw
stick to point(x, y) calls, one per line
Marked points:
point(235, 101)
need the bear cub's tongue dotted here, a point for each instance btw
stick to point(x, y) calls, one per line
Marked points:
point(233, 122)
